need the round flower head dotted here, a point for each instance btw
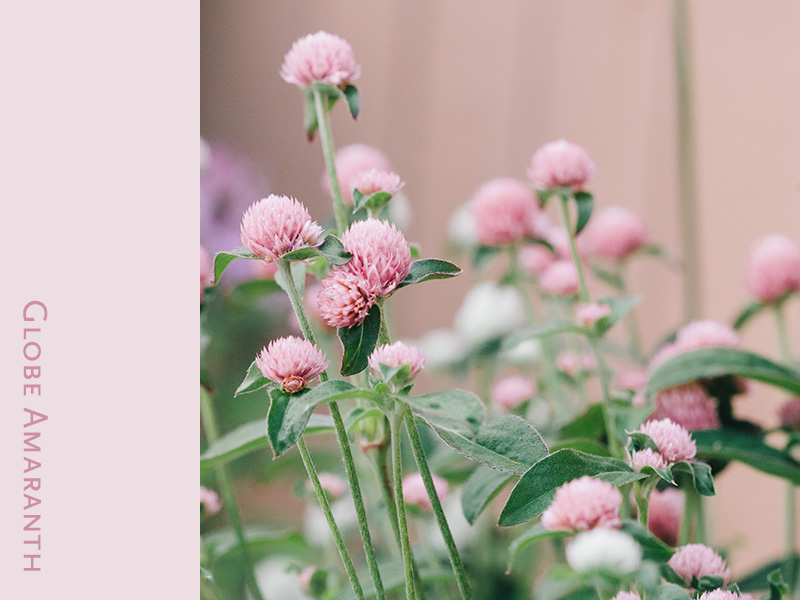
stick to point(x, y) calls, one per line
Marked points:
point(647, 458)
point(698, 560)
point(560, 279)
point(375, 180)
point(705, 334)
point(789, 414)
point(627, 596)
point(535, 259)
point(561, 164)
point(674, 443)
point(292, 362)
point(344, 299)
point(512, 390)
point(632, 378)
point(210, 500)
point(589, 314)
point(320, 57)
point(504, 211)
point(351, 161)
point(394, 355)
point(665, 514)
point(773, 268)
point(414, 491)
point(381, 255)
point(331, 483)
point(206, 271)
point(720, 594)
point(615, 232)
point(583, 504)
point(688, 405)
point(276, 225)
point(604, 550)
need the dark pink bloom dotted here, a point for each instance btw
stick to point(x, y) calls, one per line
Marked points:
point(561, 164)
point(504, 211)
point(773, 268)
point(292, 362)
point(345, 299)
point(583, 504)
point(673, 441)
point(688, 405)
point(276, 225)
point(381, 255)
point(616, 232)
point(698, 560)
point(320, 57)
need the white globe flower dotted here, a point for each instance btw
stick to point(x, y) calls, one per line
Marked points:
point(489, 310)
point(461, 228)
point(524, 354)
point(604, 550)
point(442, 348)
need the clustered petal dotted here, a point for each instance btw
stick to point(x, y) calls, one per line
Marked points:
point(583, 504)
point(394, 355)
point(414, 491)
point(504, 212)
point(320, 57)
point(276, 225)
point(344, 299)
point(512, 390)
point(773, 268)
point(688, 405)
point(616, 232)
point(720, 594)
point(647, 458)
point(696, 335)
point(698, 560)
point(376, 180)
point(674, 443)
point(292, 362)
point(561, 164)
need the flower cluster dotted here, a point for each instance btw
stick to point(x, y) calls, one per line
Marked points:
point(697, 560)
point(773, 268)
point(583, 504)
point(561, 164)
point(674, 444)
point(291, 362)
point(320, 57)
point(395, 355)
point(276, 225)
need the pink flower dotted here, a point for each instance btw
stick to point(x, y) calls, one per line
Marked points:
point(414, 491)
point(773, 268)
point(345, 299)
point(304, 578)
point(511, 391)
point(276, 225)
point(381, 255)
point(291, 362)
point(589, 314)
point(561, 164)
point(616, 232)
point(559, 239)
point(627, 596)
point(647, 458)
point(632, 378)
point(583, 504)
point(206, 271)
point(560, 279)
point(789, 414)
point(665, 514)
point(352, 160)
point(698, 560)
point(720, 594)
point(320, 57)
point(375, 180)
point(705, 334)
point(210, 500)
point(688, 405)
point(535, 259)
point(504, 210)
point(331, 483)
point(394, 355)
point(673, 441)
point(571, 363)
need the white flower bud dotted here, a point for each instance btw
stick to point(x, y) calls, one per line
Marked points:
point(604, 550)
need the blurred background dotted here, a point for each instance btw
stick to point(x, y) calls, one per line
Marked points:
point(456, 93)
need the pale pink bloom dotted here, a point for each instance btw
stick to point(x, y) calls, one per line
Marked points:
point(698, 560)
point(559, 239)
point(688, 405)
point(504, 210)
point(345, 299)
point(720, 594)
point(304, 578)
point(534, 259)
point(206, 271)
point(276, 225)
point(615, 232)
point(292, 362)
point(560, 279)
point(627, 596)
point(414, 491)
point(352, 160)
point(394, 355)
point(512, 390)
point(264, 269)
point(210, 500)
point(773, 267)
point(789, 414)
point(375, 180)
point(647, 458)
point(583, 504)
point(589, 314)
point(320, 57)
point(381, 255)
point(632, 378)
point(673, 441)
point(561, 164)
point(706, 334)
point(665, 514)
point(331, 483)
point(571, 363)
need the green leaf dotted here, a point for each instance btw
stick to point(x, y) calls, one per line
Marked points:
point(510, 445)
point(358, 414)
point(612, 279)
point(353, 99)
point(536, 488)
point(484, 255)
point(223, 259)
point(254, 289)
point(749, 311)
point(222, 543)
point(587, 425)
point(253, 380)
point(670, 591)
point(709, 363)
point(310, 114)
point(333, 251)
point(374, 202)
point(359, 342)
point(301, 254)
point(641, 441)
point(583, 444)
point(777, 586)
point(620, 307)
point(544, 330)
point(585, 204)
point(671, 576)
point(319, 424)
point(455, 410)
point(426, 269)
point(537, 533)
point(242, 440)
point(480, 488)
point(289, 413)
point(756, 581)
point(654, 548)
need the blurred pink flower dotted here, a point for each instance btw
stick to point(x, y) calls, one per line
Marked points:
point(706, 334)
point(276, 225)
point(352, 160)
point(698, 560)
point(394, 355)
point(322, 57)
point(210, 500)
point(632, 378)
point(720, 594)
point(627, 596)
point(333, 484)
point(560, 279)
point(206, 271)
point(789, 414)
point(589, 314)
point(534, 259)
point(673, 441)
point(571, 363)
point(688, 405)
point(345, 299)
point(292, 362)
point(647, 458)
point(414, 491)
point(376, 180)
point(512, 390)
point(665, 514)
point(773, 267)
point(381, 255)
point(561, 164)
point(615, 232)
point(583, 504)
point(504, 210)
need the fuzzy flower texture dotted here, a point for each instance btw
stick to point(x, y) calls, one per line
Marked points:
point(673, 441)
point(320, 57)
point(773, 268)
point(583, 504)
point(291, 362)
point(561, 164)
point(697, 560)
point(276, 225)
point(395, 355)
point(504, 211)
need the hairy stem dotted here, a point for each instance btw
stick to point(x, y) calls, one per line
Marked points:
point(326, 139)
point(397, 475)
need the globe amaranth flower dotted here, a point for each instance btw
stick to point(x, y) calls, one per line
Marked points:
point(512, 390)
point(395, 355)
point(631, 378)
point(414, 491)
point(773, 268)
point(589, 313)
point(647, 458)
point(604, 550)
point(674, 443)
point(291, 362)
point(561, 164)
point(351, 161)
point(583, 504)
point(665, 514)
point(504, 211)
point(698, 560)
point(789, 414)
point(320, 57)
point(560, 279)
point(373, 181)
point(615, 232)
point(720, 594)
point(210, 500)
point(688, 405)
point(706, 334)
point(344, 299)
point(381, 254)
point(572, 363)
point(276, 225)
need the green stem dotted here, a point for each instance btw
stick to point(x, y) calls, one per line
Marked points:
point(583, 292)
point(326, 138)
point(383, 332)
point(438, 511)
point(632, 326)
point(397, 474)
point(641, 493)
point(228, 495)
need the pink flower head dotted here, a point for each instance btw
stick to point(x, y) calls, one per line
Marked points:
point(535, 259)
point(414, 491)
point(560, 279)
point(210, 500)
point(627, 596)
point(511, 391)
point(615, 232)
point(394, 355)
point(276, 225)
point(381, 255)
point(647, 458)
point(720, 594)
point(504, 210)
point(632, 378)
point(583, 504)
point(206, 271)
point(292, 362)
point(571, 363)
point(304, 578)
point(789, 414)
point(589, 314)
point(331, 483)
point(352, 160)
point(561, 164)
point(375, 180)
point(706, 334)
point(665, 514)
point(320, 57)
point(698, 560)
point(688, 405)
point(673, 441)
point(345, 299)
point(773, 268)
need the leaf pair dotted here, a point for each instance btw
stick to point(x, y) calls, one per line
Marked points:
point(329, 96)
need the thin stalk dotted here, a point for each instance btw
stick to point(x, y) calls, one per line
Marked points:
point(326, 139)
point(438, 511)
point(229, 496)
point(583, 292)
point(397, 474)
point(632, 326)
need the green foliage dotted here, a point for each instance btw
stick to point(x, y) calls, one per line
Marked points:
point(359, 342)
point(585, 204)
point(535, 534)
point(253, 380)
point(457, 411)
point(426, 269)
point(480, 488)
point(223, 259)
